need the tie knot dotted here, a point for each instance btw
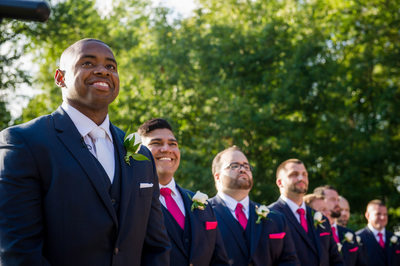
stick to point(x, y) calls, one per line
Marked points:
point(239, 206)
point(300, 211)
point(97, 133)
point(165, 191)
point(380, 234)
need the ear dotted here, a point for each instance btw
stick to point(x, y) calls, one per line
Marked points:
point(279, 182)
point(367, 215)
point(216, 177)
point(59, 78)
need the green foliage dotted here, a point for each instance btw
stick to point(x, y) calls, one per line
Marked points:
point(316, 80)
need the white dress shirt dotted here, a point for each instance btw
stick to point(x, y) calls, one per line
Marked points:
point(175, 195)
point(375, 232)
point(231, 204)
point(84, 125)
point(293, 207)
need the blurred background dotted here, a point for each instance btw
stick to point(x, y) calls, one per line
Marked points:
point(315, 80)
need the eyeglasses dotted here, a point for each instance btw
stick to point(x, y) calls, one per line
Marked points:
point(236, 166)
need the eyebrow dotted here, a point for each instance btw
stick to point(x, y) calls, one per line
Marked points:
point(94, 57)
point(159, 139)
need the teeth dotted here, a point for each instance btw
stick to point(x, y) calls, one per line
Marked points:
point(165, 159)
point(103, 84)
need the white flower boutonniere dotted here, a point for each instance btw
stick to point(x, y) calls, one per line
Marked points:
point(318, 220)
point(262, 212)
point(348, 237)
point(199, 201)
point(132, 145)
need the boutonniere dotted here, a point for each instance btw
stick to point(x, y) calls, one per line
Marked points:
point(339, 247)
point(393, 240)
point(318, 220)
point(262, 212)
point(132, 145)
point(199, 201)
point(348, 237)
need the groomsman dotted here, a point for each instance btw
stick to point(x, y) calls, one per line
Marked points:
point(317, 202)
point(252, 234)
point(344, 213)
point(193, 233)
point(310, 231)
point(344, 237)
point(382, 248)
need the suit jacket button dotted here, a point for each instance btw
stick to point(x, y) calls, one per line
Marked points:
point(113, 201)
point(116, 250)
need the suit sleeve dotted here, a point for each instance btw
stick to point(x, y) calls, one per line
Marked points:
point(156, 247)
point(21, 217)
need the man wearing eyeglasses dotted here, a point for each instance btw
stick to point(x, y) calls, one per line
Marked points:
point(252, 235)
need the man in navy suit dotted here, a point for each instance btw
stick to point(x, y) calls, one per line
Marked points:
point(310, 231)
point(252, 235)
point(381, 247)
point(344, 237)
point(67, 197)
point(194, 233)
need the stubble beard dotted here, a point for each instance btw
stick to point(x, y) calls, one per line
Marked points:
point(238, 183)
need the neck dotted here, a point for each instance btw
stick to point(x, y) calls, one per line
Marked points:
point(96, 115)
point(237, 194)
point(295, 197)
point(164, 180)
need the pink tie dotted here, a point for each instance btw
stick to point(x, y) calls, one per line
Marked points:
point(335, 235)
point(303, 220)
point(240, 215)
point(381, 243)
point(173, 207)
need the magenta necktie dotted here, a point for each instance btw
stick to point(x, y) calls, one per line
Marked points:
point(303, 220)
point(240, 215)
point(335, 235)
point(173, 207)
point(381, 243)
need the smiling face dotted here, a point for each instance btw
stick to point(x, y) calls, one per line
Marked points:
point(377, 216)
point(88, 76)
point(165, 150)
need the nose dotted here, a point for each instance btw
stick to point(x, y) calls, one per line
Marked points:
point(101, 70)
point(164, 148)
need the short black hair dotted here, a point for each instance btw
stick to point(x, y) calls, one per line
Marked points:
point(153, 124)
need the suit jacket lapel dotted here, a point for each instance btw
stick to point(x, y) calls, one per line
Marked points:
point(292, 219)
point(315, 231)
point(255, 229)
point(230, 222)
point(194, 225)
point(71, 138)
point(128, 175)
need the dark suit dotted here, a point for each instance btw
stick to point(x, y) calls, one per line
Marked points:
point(377, 256)
point(200, 243)
point(266, 243)
point(56, 206)
point(317, 247)
point(350, 252)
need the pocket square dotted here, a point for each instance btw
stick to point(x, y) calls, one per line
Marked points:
point(146, 185)
point(277, 235)
point(353, 249)
point(397, 251)
point(324, 234)
point(211, 225)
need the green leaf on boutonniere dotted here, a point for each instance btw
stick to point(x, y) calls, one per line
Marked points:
point(132, 144)
point(199, 201)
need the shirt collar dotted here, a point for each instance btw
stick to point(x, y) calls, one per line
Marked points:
point(374, 231)
point(293, 206)
point(231, 202)
point(83, 123)
point(171, 185)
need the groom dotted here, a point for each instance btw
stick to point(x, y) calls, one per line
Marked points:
point(67, 197)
